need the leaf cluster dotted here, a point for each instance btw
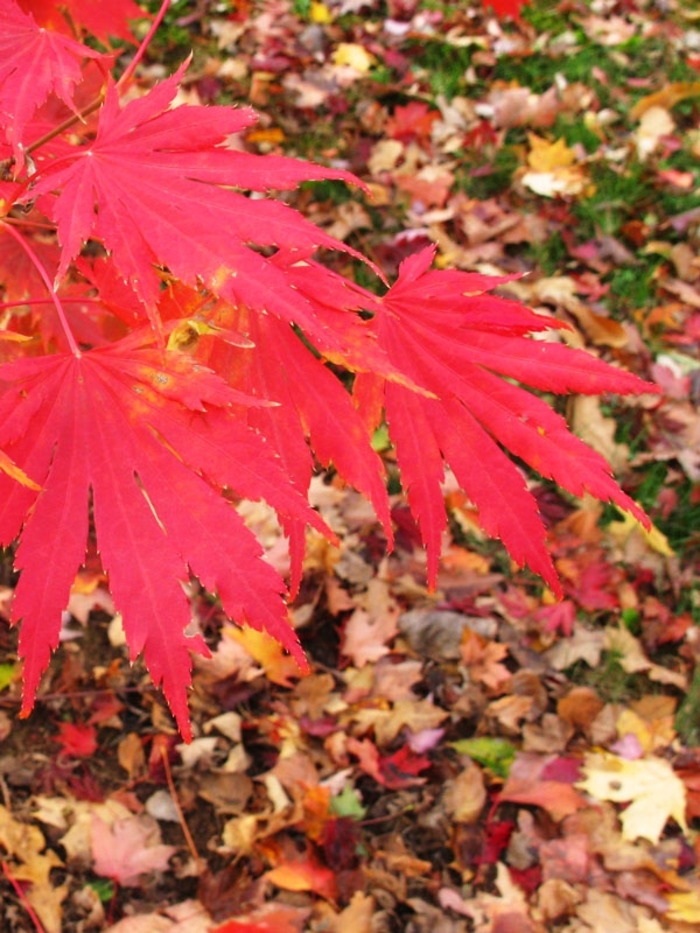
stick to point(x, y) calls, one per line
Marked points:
point(171, 344)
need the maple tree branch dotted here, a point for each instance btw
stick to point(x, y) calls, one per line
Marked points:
point(75, 350)
point(141, 51)
point(66, 125)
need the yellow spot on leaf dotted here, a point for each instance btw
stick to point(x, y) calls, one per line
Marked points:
point(10, 467)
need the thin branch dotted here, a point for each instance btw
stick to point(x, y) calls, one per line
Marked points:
point(141, 51)
point(75, 350)
point(173, 793)
point(66, 125)
point(23, 899)
point(48, 301)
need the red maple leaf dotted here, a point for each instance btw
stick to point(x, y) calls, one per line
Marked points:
point(455, 340)
point(149, 189)
point(412, 122)
point(505, 8)
point(312, 407)
point(76, 740)
point(34, 63)
point(402, 769)
point(152, 440)
point(99, 19)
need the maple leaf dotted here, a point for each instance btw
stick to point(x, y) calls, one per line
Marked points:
point(312, 408)
point(637, 783)
point(504, 8)
point(482, 659)
point(402, 769)
point(125, 850)
point(412, 122)
point(278, 667)
point(448, 335)
point(303, 872)
point(34, 62)
point(152, 440)
point(77, 740)
point(149, 187)
point(102, 20)
point(270, 918)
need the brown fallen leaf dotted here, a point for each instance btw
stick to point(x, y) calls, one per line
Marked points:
point(465, 795)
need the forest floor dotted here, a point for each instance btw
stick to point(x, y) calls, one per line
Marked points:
point(479, 758)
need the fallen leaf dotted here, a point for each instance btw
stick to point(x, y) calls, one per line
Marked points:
point(354, 56)
point(482, 658)
point(650, 787)
point(684, 906)
point(634, 660)
point(668, 97)
point(128, 849)
point(77, 740)
point(279, 667)
point(304, 874)
point(553, 170)
point(466, 794)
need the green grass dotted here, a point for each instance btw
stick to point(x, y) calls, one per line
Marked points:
point(609, 679)
point(444, 65)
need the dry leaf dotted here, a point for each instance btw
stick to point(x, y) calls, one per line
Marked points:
point(466, 794)
point(650, 787)
point(128, 849)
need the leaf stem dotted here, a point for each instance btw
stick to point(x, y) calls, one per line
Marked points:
point(141, 51)
point(22, 897)
point(48, 301)
point(75, 350)
point(178, 809)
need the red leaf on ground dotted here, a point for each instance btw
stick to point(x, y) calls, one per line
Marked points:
point(76, 740)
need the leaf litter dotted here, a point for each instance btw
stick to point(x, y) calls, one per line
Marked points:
point(519, 768)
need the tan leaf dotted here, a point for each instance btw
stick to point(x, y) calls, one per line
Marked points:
point(668, 97)
point(466, 794)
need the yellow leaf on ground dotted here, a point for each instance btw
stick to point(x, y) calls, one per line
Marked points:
point(633, 658)
point(668, 97)
point(684, 906)
point(354, 55)
point(279, 667)
point(547, 157)
point(319, 13)
point(553, 169)
point(649, 785)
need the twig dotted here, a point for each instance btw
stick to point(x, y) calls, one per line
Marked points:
point(22, 897)
point(173, 793)
point(140, 52)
